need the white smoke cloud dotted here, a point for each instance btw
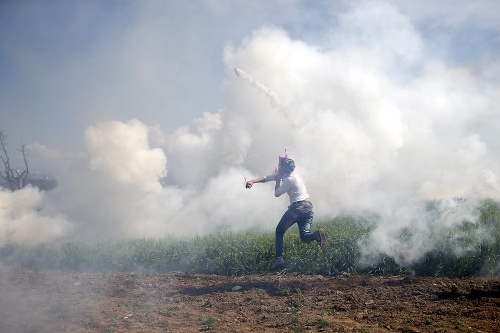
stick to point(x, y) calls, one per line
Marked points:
point(23, 218)
point(121, 151)
point(374, 119)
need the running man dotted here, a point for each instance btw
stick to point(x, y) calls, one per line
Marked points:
point(300, 210)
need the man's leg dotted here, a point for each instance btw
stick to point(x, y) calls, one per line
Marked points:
point(287, 220)
point(306, 236)
point(304, 222)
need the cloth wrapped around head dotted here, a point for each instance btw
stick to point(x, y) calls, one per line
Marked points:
point(286, 165)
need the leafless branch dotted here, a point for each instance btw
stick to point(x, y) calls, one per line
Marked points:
point(15, 180)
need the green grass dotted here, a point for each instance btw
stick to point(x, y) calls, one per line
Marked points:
point(467, 249)
point(323, 324)
point(209, 324)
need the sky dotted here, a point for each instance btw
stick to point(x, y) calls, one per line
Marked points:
point(67, 65)
point(136, 107)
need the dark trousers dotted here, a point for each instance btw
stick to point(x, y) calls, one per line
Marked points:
point(301, 213)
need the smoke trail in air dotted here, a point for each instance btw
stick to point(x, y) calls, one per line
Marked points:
point(273, 98)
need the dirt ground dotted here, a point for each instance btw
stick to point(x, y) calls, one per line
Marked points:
point(55, 301)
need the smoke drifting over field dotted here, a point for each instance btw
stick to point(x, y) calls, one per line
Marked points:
point(376, 121)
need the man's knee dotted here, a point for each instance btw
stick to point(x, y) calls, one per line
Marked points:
point(305, 232)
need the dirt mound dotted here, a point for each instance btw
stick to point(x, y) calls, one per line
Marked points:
point(55, 301)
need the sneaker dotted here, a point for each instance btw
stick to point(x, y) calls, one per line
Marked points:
point(279, 264)
point(321, 238)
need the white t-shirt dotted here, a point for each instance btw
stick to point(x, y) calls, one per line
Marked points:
point(292, 185)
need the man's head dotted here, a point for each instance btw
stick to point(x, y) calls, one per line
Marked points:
point(287, 165)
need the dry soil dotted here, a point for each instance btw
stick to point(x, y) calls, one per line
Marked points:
point(56, 301)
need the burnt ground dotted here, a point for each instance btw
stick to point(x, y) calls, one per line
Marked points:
point(56, 301)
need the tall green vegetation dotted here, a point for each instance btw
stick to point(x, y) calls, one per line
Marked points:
point(467, 249)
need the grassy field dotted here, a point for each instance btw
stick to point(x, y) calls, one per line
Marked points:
point(462, 250)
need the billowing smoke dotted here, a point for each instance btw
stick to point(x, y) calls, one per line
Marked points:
point(376, 121)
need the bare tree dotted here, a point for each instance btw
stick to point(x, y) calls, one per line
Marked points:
point(15, 178)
